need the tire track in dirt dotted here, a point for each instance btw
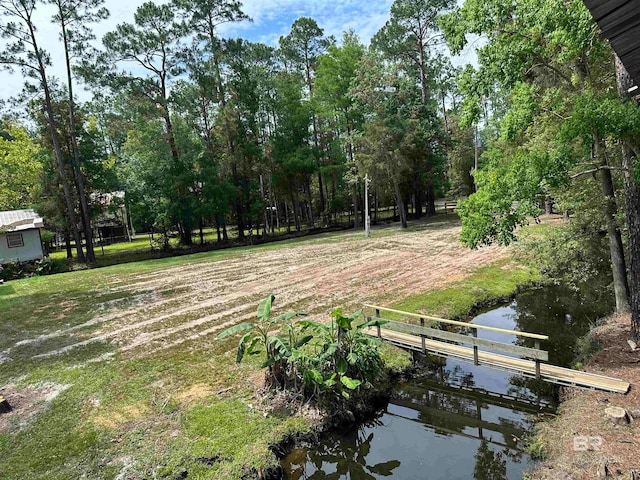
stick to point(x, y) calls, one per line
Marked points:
point(315, 277)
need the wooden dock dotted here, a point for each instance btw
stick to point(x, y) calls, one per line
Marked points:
point(438, 342)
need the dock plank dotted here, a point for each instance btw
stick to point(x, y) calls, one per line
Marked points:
point(551, 373)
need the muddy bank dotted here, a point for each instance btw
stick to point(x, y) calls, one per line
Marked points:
point(580, 442)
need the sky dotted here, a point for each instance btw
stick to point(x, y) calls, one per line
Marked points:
point(271, 19)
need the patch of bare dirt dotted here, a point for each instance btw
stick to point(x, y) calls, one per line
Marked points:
point(313, 276)
point(581, 442)
point(195, 392)
point(26, 403)
point(114, 418)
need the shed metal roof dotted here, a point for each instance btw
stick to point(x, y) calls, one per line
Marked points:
point(16, 220)
point(619, 21)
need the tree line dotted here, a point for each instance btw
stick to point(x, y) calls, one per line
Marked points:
point(204, 131)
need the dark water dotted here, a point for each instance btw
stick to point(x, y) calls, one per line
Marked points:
point(457, 420)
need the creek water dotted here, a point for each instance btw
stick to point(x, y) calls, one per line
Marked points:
point(455, 420)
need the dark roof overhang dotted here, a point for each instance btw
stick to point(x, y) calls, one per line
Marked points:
point(619, 21)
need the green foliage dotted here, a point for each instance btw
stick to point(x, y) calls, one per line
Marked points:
point(535, 447)
point(276, 347)
point(20, 167)
point(559, 100)
point(508, 189)
point(319, 360)
point(573, 253)
point(46, 266)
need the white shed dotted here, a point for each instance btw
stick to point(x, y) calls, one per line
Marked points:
point(20, 236)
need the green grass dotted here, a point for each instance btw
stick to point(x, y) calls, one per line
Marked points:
point(140, 248)
point(134, 421)
point(498, 281)
point(128, 414)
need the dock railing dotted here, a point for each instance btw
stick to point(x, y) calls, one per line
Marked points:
point(425, 332)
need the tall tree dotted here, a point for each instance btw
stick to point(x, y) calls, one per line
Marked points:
point(301, 47)
point(409, 35)
point(630, 160)
point(153, 46)
point(201, 18)
point(73, 18)
point(22, 51)
point(554, 47)
point(411, 32)
point(391, 138)
point(335, 73)
point(20, 167)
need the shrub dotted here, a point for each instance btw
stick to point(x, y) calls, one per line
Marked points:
point(17, 270)
point(316, 360)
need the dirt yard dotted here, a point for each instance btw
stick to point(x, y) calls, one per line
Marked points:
point(171, 306)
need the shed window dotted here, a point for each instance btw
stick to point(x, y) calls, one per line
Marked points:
point(14, 240)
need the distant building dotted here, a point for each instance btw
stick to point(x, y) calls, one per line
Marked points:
point(20, 236)
point(112, 223)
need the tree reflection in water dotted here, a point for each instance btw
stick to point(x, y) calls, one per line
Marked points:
point(344, 456)
point(490, 464)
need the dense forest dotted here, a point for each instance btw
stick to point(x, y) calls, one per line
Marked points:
point(205, 131)
point(202, 130)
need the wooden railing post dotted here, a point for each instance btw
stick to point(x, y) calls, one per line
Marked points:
point(378, 326)
point(474, 330)
point(537, 345)
point(424, 342)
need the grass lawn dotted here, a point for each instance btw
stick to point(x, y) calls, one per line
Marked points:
point(141, 248)
point(117, 371)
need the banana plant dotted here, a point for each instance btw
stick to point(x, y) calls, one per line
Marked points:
point(258, 336)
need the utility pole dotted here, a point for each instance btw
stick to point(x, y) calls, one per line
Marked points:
point(476, 150)
point(367, 219)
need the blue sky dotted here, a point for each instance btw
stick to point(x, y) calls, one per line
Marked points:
point(271, 19)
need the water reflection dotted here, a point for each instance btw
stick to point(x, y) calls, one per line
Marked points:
point(458, 420)
point(344, 456)
point(562, 313)
point(490, 465)
point(429, 430)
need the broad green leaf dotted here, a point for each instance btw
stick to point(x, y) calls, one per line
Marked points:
point(241, 327)
point(308, 324)
point(331, 349)
point(345, 321)
point(352, 358)
point(242, 347)
point(303, 341)
point(344, 394)
point(341, 366)
point(285, 317)
point(281, 344)
point(251, 348)
point(330, 382)
point(312, 376)
point(372, 323)
point(264, 309)
point(350, 383)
